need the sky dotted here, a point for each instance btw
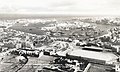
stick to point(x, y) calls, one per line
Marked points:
point(81, 7)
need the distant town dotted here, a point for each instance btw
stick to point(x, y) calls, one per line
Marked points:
point(69, 44)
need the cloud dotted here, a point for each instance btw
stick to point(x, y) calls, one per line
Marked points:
point(104, 7)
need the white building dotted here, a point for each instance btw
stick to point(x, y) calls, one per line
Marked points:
point(18, 45)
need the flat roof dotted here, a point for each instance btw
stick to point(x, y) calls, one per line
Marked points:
point(106, 56)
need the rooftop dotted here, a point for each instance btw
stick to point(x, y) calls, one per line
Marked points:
point(105, 56)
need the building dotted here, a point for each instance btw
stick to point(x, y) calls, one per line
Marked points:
point(94, 56)
point(19, 45)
